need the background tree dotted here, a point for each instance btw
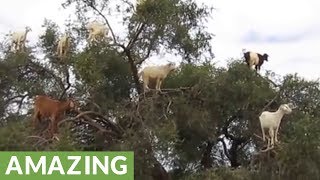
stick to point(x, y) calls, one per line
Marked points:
point(203, 126)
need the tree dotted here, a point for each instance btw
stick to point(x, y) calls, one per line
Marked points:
point(203, 126)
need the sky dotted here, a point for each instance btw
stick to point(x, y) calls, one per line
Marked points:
point(287, 30)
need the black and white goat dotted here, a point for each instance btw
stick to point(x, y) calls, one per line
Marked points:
point(254, 59)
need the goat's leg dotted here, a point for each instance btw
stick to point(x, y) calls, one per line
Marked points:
point(35, 119)
point(271, 134)
point(268, 142)
point(54, 127)
point(251, 65)
point(64, 51)
point(276, 134)
point(89, 39)
point(58, 50)
point(54, 124)
point(18, 46)
point(157, 84)
point(94, 38)
point(160, 83)
point(61, 51)
point(146, 84)
point(22, 46)
point(263, 134)
point(13, 47)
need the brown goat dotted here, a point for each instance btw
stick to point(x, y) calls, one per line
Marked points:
point(45, 107)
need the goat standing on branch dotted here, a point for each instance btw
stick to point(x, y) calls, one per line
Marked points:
point(159, 73)
point(271, 121)
point(96, 30)
point(63, 46)
point(254, 59)
point(45, 107)
point(19, 39)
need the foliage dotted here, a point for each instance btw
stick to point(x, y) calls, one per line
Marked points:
point(202, 126)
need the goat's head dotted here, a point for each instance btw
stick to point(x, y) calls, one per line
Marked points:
point(28, 29)
point(265, 56)
point(72, 106)
point(171, 66)
point(67, 34)
point(286, 108)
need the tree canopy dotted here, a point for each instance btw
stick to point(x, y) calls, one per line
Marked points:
point(204, 125)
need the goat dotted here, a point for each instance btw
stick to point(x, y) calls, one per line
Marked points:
point(96, 29)
point(19, 39)
point(155, 72)
point(63, 45)
point(45, 107)
point(255, 59)
point(271, 121)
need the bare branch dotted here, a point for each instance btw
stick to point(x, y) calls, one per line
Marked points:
point(152, 41)
point(68, 82)
point(267, 149)
point(86, 114)
point(15, 97)
point(225, 149)
point(20, 103)
point(133, 40)
point(81, 114)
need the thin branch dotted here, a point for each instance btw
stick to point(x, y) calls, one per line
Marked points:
point(269, 80)
point(85, 114)
point(68, 83)
point(14, 97)
point(75, 118)
point(133, 40)
point(100, 128)
point(225, 149)
point(152, 41)
point(267, 149)
point(36, 137)
point(20, 103)
point(258, 136)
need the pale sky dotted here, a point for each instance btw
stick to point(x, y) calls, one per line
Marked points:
point(287, 30)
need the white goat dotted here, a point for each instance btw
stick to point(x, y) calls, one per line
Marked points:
point(63, 45)
point(159, 73)
point(19, 39)
point(96, 29)
point(271, 121)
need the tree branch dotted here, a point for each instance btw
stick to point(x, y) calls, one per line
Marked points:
point(152, 41)
point(133, 40)
point(14, 97)
point(86, 114)
point(225, 149)
point(134, 70)
point(68, 83)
